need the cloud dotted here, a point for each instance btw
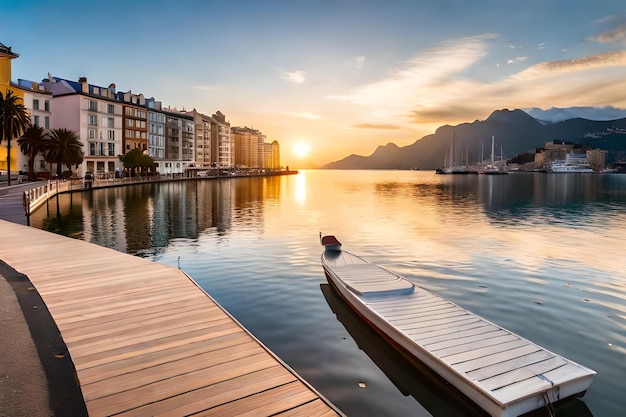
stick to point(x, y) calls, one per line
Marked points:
point(296, 77)
point(377, 126)
point(309, 116)
point(616, 33)
point(442, 86)
point(360, 60)
point(601, 60)
point(433, 67)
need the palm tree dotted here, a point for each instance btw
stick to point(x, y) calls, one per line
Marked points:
point(14, 120)
point(63, 146)
point(32, 143)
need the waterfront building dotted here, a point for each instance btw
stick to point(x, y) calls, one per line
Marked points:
point(135, 120)
point(38, 101)
point(156, 129)
point(222, 155)
point(95, 115)
point(275, 162)
point(597, 159)
point(247, 142)
point(6, 85)
point(202, 138)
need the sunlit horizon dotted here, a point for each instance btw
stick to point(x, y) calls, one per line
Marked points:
point(347, 76)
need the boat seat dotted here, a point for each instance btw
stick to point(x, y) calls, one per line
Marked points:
point(372, 280)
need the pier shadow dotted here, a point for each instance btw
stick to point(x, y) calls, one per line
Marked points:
point(412, 378)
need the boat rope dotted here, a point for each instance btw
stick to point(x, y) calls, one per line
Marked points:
point(548, 404)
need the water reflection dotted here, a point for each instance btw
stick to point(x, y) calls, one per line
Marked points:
point(540, 255)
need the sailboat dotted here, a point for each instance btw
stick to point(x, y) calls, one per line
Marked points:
point(451, 164)
point(492, 168)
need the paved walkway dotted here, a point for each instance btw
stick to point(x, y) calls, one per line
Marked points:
point(36, 378)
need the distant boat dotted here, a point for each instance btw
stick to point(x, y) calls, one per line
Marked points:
point(503, 373)
point(492, 168)
point(451, 164)
point(574, 163)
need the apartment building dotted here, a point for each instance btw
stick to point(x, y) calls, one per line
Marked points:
point(247, 142)
point(222, 154)
point(95, 115)
point(202, 138)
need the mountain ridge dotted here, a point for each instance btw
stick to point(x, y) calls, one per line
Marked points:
point(515, 132)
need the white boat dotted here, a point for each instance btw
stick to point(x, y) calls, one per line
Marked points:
point(573, 163)
point(503, 373)
point(492, 168)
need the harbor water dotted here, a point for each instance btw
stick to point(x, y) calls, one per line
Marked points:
point(539, 254)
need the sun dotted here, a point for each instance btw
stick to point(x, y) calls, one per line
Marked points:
point(301, 150)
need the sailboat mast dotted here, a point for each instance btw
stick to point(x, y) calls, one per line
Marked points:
point(492, 145)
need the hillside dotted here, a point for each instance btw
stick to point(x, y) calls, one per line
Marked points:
point(515, 132)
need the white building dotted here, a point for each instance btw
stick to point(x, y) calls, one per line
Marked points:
point(95, 115)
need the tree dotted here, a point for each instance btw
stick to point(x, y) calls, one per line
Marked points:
point(14, 120)
point(32, 143)
point(136, 159)
point(63, 147)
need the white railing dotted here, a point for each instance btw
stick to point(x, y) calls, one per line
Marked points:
point(36, 197)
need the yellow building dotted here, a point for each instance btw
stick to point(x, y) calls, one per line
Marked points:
point(6, 55)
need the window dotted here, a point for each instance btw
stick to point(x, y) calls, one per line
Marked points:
point(46, 122)
point(111, 149)
point(111, 134)
point(36, 120)
point(93, 105)
point(92, 148)
point(46, 105)
point(93, 120)
point(110, 122)
point(110, 109)
point(92, 133)
point(101, 150)
point(35, 104)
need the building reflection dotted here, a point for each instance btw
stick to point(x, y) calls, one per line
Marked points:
point(144, 219)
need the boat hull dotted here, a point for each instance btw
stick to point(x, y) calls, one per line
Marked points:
point(403, 341)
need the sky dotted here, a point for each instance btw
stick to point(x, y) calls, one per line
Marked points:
point(330, 78)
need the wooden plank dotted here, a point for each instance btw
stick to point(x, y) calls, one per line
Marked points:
point(172, 387)
point(480, 328)
point(529, 371)
point(205, 399)
point(232, 342)
point(485, 351)
point(508, 365)
point(262, 403)
point(170, 370)
point(495, 358)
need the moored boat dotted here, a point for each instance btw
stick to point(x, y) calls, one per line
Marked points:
point(503, 373)
point(330, 242)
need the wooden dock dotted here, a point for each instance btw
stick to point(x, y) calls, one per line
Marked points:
point(147, 341)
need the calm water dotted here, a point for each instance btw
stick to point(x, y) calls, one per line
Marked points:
point(541, 255)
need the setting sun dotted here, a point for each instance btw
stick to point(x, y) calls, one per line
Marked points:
point(301, 149)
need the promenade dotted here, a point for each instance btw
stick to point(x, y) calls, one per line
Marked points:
point(141, 337)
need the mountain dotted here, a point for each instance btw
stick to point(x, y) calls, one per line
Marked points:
point(556, 114)
point(515, 132)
